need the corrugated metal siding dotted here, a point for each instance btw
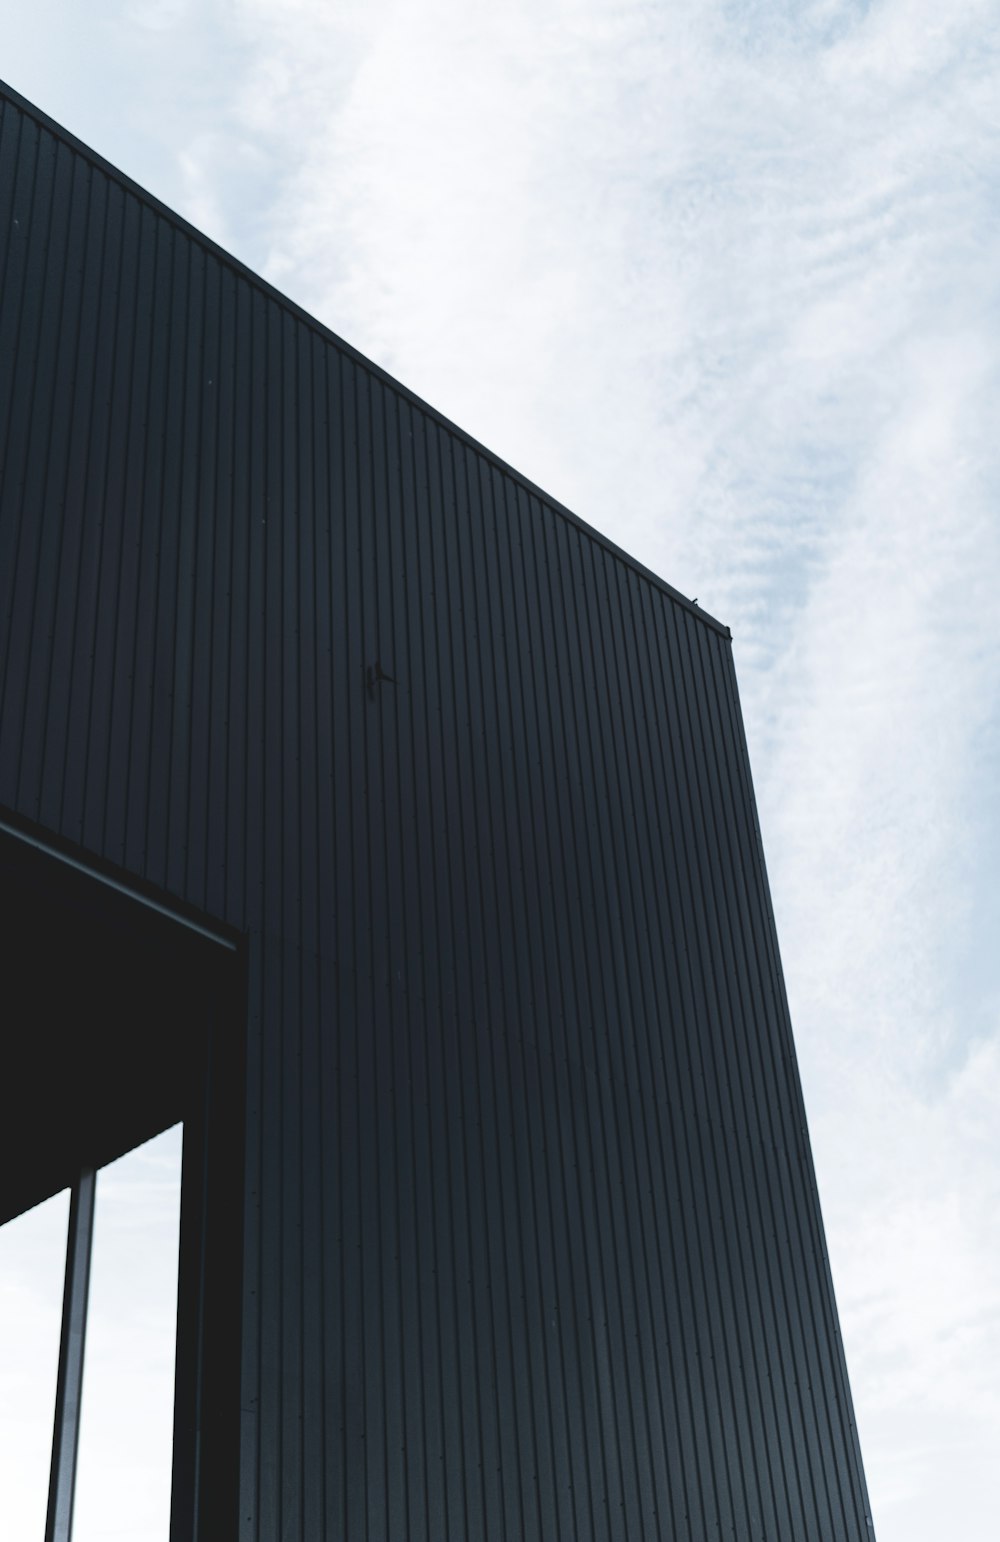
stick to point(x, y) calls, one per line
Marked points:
point(533, 1244)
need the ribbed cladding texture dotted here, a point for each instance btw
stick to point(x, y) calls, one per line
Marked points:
point(533, 1246)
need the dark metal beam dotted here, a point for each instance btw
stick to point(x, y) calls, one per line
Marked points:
point(69, 1386)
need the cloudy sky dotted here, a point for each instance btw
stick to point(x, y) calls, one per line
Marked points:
point(723, 276)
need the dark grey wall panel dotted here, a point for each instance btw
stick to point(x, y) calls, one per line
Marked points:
point(533, 1242)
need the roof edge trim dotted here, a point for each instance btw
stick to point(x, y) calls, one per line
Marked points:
point(180, 223)
point(28, 834)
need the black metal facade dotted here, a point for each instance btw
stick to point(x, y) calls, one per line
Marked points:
point(532, 1241)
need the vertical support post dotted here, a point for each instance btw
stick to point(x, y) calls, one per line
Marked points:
point(185, 1501)
point(69, 1385)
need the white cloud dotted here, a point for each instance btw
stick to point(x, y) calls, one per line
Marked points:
point(726, 279)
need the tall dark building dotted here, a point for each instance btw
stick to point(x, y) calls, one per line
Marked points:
point(366, 810)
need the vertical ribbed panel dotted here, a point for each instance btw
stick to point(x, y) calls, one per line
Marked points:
point(533, 1247)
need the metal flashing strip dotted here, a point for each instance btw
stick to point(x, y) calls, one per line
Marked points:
point(118, 885)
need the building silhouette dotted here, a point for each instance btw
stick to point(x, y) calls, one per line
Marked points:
point(363, 808)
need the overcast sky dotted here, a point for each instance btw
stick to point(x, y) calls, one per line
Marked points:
point(723, 276)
